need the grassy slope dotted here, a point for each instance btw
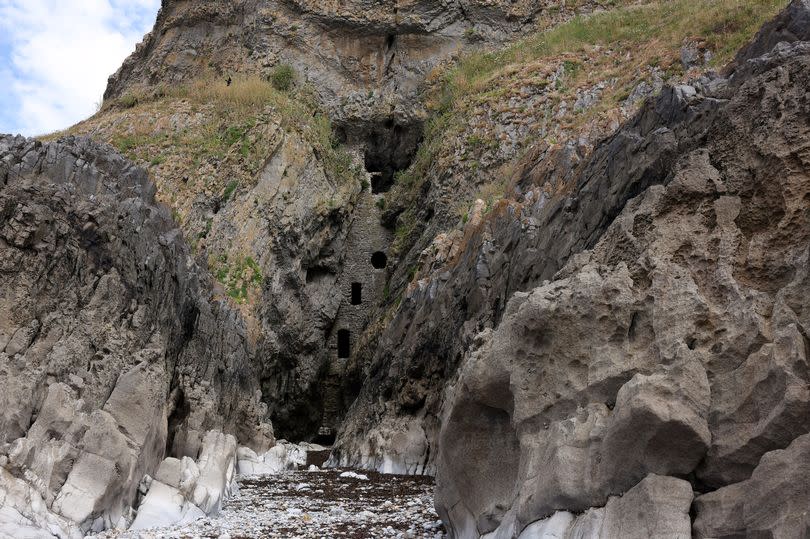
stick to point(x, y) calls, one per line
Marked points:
point(212, 140)
point(618, 47)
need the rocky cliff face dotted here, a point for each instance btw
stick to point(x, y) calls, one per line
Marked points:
point(676, 346)
point(366, 58)
point(114, 354)
point(691, 409)
point(280, 217)
point(577, 297)
point(557, 200)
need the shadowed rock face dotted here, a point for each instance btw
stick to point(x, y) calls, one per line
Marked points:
point(112, 352)
point(676, 346)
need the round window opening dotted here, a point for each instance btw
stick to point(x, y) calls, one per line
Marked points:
point(379, 260)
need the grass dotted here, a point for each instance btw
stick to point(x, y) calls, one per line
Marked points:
point(236, 111)
point(283, 78)
point(237, 275)
point(617, 46)
point(725, 25)
point(226, 195)
point(205, 138)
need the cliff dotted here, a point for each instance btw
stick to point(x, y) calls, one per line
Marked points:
point(554, 256)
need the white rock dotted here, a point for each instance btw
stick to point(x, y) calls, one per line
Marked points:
point(184, 491)
point(554, 527)
point(165, 506)
point(24, 515)
point(354, 475)
point(283, 456)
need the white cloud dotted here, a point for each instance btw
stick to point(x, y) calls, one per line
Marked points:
point(58, 55)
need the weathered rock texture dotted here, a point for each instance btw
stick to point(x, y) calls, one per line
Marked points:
point(367, 58)
point(617, 348)
point(677, 345)
point(306, 229)
point(112, 352)
point(464, 258)
point(184, 490)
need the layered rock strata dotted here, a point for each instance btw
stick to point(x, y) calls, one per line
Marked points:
point(366, 58)
point(113, 353)
point(676, 346)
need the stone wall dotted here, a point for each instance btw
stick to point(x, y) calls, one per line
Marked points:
point(366, 237)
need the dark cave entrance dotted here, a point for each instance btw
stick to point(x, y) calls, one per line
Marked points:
point(389, 146)
point(325, 438)
point(344, 343)
point(357, 293)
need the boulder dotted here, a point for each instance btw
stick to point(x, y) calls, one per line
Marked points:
point(284, 456)
point(656, 508)
point(773, 502)
point(183, 490)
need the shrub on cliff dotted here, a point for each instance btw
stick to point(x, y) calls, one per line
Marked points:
point(282, 78)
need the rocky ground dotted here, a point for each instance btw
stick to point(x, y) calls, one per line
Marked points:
point(315, 504)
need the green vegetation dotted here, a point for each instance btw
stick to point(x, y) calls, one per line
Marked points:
point(126, 101)
point(237, 276)
point(207, 230)
point(614, 45)
point(659, 26)
point(226, 195)
point(403, 235)
point(127, 143)
point(236, 126)
point(283, 78)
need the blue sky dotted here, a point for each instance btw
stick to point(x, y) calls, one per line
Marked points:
point(56, 55)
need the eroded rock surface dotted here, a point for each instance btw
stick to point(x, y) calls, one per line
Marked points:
point(618, 350)
point(366, 58)
point(676, 346)
point(112, 352)
point(772, 502)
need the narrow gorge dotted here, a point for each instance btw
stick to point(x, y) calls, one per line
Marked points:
point(470, 269)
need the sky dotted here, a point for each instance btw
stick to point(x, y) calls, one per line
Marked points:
point(56, 56)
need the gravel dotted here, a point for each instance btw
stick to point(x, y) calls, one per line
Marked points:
point(316, 504)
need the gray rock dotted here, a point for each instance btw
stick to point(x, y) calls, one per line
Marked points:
point(184, 490)
point(116, 308)
point(790, 26)
point(657, 507)
point(674, 346)
point(773, 502)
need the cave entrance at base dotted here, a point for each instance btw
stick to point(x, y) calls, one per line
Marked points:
point(326, 437)
point(344, 343)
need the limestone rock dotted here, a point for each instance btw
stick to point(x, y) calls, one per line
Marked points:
point(773, 502)
point(118, 355)
point(658, 507)
point(676, 345)
point(25, 515)
point(184, 490)
point(371, 56)
point(284, 456)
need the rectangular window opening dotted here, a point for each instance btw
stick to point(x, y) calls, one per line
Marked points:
point(344, 344)
point(357, 293)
